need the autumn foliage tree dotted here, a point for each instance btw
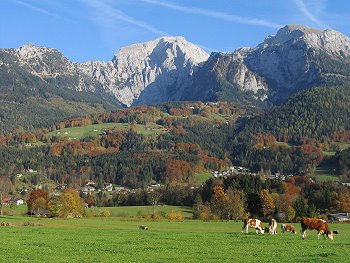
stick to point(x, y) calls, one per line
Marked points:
point(177, 171)
point(67, 205)
point(344, 201)
point(268, 205)
point(235, 204)
point(219, 202)
point(38, 200)
point(5, 187)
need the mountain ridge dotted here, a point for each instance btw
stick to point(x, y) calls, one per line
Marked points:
point(173, 69)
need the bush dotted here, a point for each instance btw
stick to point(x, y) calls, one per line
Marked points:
point(205, 214)
point(175, 216)
point(105, 213)
point(156, 217)
point(28, 224)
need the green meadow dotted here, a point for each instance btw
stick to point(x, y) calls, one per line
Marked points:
point(120, 240)
point(142, 211)
point(97, 129)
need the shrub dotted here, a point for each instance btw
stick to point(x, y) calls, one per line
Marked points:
point(205, 214)
point(105, 213)
point(175, 216)
point(156, 217)
point(28, 224)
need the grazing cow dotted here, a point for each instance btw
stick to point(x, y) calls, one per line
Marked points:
point(254, 223)
point(318, 224)
point(288, 228)
point(142, 227)
point(273, 227)
point(3, 224)
point(8, 224)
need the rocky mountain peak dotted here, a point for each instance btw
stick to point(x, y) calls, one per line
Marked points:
point(148, 72)
point(290, 32)
point(29, 51)
point(161, 50)
point(329, 40)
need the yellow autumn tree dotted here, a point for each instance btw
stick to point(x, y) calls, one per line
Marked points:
point(268, 204)
point(68, 204)
point(219, 202)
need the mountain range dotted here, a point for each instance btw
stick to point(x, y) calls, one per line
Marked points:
point(42, 82)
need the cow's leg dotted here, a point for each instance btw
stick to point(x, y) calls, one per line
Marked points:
point(262, 231)
point(245, 228)
point(303, 233)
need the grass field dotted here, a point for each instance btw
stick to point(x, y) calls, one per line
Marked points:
point(202, 177)
point(133, 211)
point(325, 174)
point(114, 240)
point(96, 130)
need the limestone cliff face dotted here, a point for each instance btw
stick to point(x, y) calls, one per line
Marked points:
point(52, 67)
point(171, 68)
point(149, 72)
point(296, 58)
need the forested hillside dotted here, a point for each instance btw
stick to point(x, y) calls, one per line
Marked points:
point(316, 113)
point(33, 100)
point(174, 144)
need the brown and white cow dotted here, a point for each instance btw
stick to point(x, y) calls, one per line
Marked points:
point(273, 227)
point(288, 228)
point(254, 223)
point(318, 224)
point(142, 227)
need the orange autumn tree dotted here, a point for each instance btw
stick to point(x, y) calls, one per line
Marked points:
point(219, 202)
point(38, 199)
point(177, 171)
point(344, 201)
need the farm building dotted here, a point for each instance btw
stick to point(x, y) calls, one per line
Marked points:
point(339, 217)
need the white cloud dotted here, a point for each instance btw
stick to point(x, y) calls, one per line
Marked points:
point(303, 9)
point(215, 14)
point(35, 8)
point(108, 15)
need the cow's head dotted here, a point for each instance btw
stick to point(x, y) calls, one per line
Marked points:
point(330, 235)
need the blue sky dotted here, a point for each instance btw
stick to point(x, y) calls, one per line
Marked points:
point(96, 29)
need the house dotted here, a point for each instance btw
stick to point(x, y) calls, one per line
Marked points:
point(61, 187)
point(13, 201)
point(90, 183)
point(339, 217)
point(108, 187)
point(88, 189)
point(41, 213)
point(119, 188)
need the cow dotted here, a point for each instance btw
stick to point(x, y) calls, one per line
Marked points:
point(273, 227)
point(266, 230)
point(317, 224)
point(254, 223)
point(288, 228)
point(142, 227)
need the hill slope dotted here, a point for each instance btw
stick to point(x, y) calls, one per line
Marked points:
point(316, 113)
